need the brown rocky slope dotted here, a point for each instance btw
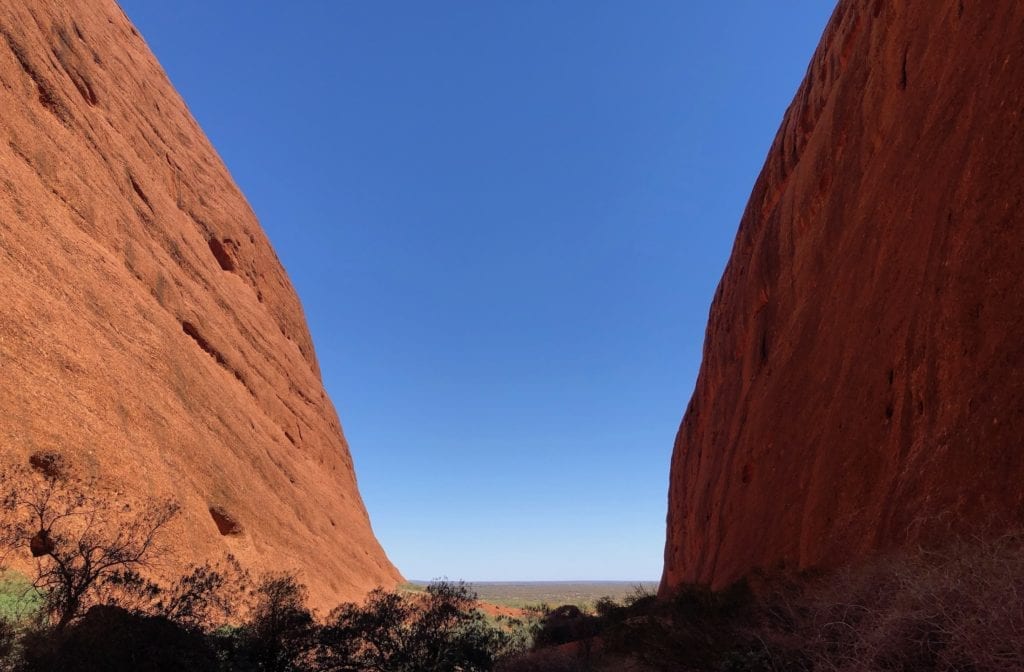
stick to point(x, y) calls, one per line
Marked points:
point(148, 330)
point(863, 375)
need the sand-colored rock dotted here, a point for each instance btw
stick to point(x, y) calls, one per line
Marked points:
point(863, 375)
point(148, 331)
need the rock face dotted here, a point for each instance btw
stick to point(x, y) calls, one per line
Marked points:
point(863, 375)
point(148, 332)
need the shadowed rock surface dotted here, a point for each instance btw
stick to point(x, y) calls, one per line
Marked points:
point(863, 376)
point(148, 331)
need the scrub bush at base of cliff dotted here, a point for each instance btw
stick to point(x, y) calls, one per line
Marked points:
point(280, 634)
point(954, 608)
point(87, 546)
point(112, 639)
point(437, 630)
point(946, 609)
point(697, 629)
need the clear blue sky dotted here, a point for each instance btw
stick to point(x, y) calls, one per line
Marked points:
point(506, 221)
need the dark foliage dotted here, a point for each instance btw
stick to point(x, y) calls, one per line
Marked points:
point(439, 630)
point(104, 609)
point(697, 629)
point(8, 639)
point(207, 597)
point(88, 547)
point(111, 639)
point(934, 610)
point(567, 624)
point(280, 635)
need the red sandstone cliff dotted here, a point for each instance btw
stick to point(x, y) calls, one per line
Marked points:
point(863, 373)
point(147, 329)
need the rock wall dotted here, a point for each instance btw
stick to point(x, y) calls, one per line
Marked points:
point(863, 376)
point(148, 331)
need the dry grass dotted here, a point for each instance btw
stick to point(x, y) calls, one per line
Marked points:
point(957, 608)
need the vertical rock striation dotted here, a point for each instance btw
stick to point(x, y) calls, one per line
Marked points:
point(863, 375)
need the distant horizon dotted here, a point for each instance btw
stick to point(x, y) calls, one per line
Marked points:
point(506, 224)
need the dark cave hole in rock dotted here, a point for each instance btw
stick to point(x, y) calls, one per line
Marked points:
point(221, 254)
point(227, 524)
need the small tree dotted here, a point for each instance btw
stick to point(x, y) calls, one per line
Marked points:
point(369, 636)
point(281, 633)
point(207, 597)
point(86, 544)
point(439, 630)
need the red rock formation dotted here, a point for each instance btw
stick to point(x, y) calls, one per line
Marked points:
point(148, 331)
point(863, 373)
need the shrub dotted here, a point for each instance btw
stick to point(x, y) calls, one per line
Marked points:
point(281, 635)
point(567, 624)
point(207, 597)
point(438, 630)
point(111, 639)
point(8, 640)
point(960, 607)
point(86, 544)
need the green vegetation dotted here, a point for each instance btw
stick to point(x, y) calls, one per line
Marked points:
point(91, 605)
point(92, 602)
point(19, 599)
point(540, 594)
point(410, 587)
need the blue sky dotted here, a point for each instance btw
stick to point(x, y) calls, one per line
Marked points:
point(506, 221)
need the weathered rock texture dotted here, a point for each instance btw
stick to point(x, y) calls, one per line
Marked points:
point(863, 373)
point(148, 331)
